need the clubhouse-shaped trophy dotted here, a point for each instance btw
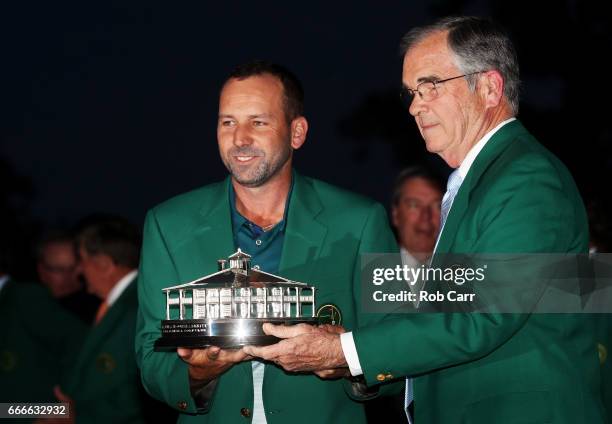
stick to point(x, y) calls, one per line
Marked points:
point(228, 308)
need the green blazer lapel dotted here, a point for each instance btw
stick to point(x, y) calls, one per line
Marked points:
point(304, 235)
point(214, 234)
point(494, 148)
point(215, 237)
point(100, 333)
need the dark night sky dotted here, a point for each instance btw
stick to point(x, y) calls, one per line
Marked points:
point(111, 106)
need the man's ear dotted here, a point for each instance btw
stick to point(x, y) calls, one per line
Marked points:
point(491, 86)
point(299, 129)
point(103, 262)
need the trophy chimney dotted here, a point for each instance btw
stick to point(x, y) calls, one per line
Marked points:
point(221, 264)
point(240, 260)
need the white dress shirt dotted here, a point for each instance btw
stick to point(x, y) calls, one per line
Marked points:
point(120, 287)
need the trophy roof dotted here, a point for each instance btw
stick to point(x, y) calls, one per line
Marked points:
point(238, 275)
point(238, 278)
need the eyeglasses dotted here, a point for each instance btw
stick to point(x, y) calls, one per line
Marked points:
point(428, 90)
point(416, 205)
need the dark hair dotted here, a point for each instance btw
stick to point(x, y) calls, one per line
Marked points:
point(416, 171)
point(478, 44)
point(293, 93)
point(113, 236)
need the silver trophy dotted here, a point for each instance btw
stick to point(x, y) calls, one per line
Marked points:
point(228, 308)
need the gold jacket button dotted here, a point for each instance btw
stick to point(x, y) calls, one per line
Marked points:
point(603, 353)
point(182, 405)
point(380, 377)
point(245, 412)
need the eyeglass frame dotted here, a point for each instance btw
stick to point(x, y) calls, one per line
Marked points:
point(409, 93)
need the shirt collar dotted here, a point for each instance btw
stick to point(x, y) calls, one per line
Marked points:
point(409, 260)
point(238, 220)
point(471, 156)
point(3, 280)
point(120, 287)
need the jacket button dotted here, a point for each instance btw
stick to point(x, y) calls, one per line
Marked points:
point(380, 377)
point(603, 353)
point(245, 412)
point(182, 405)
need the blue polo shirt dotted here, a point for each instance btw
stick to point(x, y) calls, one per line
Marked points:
point(265, 247)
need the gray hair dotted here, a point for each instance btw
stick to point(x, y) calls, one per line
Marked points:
point(478, 44)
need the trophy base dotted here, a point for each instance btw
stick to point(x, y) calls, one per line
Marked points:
point(224, 333)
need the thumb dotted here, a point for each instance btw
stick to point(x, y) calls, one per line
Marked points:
point(184, 353)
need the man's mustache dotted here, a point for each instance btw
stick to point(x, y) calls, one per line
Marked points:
point(246, 151)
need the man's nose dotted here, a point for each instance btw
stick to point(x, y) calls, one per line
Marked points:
point(425, 214)
point(417, 105)
point(242, 136)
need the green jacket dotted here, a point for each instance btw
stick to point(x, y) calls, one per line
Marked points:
point(327, 229)
point(103, 379)
point(499, 368)
point(36, 339)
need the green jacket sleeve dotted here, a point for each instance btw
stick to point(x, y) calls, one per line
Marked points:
point(529, 210)
point(163, 374)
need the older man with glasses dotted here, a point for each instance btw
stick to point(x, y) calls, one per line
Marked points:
point(508, 194)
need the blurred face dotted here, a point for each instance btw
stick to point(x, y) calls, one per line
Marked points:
point(417, 217)
point(451, 123)
point(57, 269)
point(252, 131)
point(95, 270)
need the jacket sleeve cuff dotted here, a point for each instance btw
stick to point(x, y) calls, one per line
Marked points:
point(350, 353)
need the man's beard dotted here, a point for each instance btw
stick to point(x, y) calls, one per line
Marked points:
point(256, 176)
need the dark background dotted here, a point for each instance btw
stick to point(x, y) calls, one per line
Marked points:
point(111, 106)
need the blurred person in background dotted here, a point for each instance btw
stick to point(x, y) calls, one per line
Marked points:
point(56, 265)
point(103, 384)
point(36, 337)
point(415, 213)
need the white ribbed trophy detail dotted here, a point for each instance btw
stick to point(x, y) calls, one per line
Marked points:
point(228, 308)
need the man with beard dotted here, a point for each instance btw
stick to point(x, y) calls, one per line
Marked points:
point(291, 225)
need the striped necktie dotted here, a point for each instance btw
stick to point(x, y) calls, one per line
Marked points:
point(452, 188)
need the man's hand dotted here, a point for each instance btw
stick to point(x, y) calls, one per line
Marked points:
point(62, 397)
point(209, 363)
point(304, 348)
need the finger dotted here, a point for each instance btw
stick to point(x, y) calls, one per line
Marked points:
point(264, 352)
point(286, 331)
point(336, 329)
point(61, 396)
point(213, 352)
point(233, 355)
point(184, 353)
point(333, 373)
point(323, 373)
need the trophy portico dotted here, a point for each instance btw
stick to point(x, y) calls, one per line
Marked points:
point(228, 308)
